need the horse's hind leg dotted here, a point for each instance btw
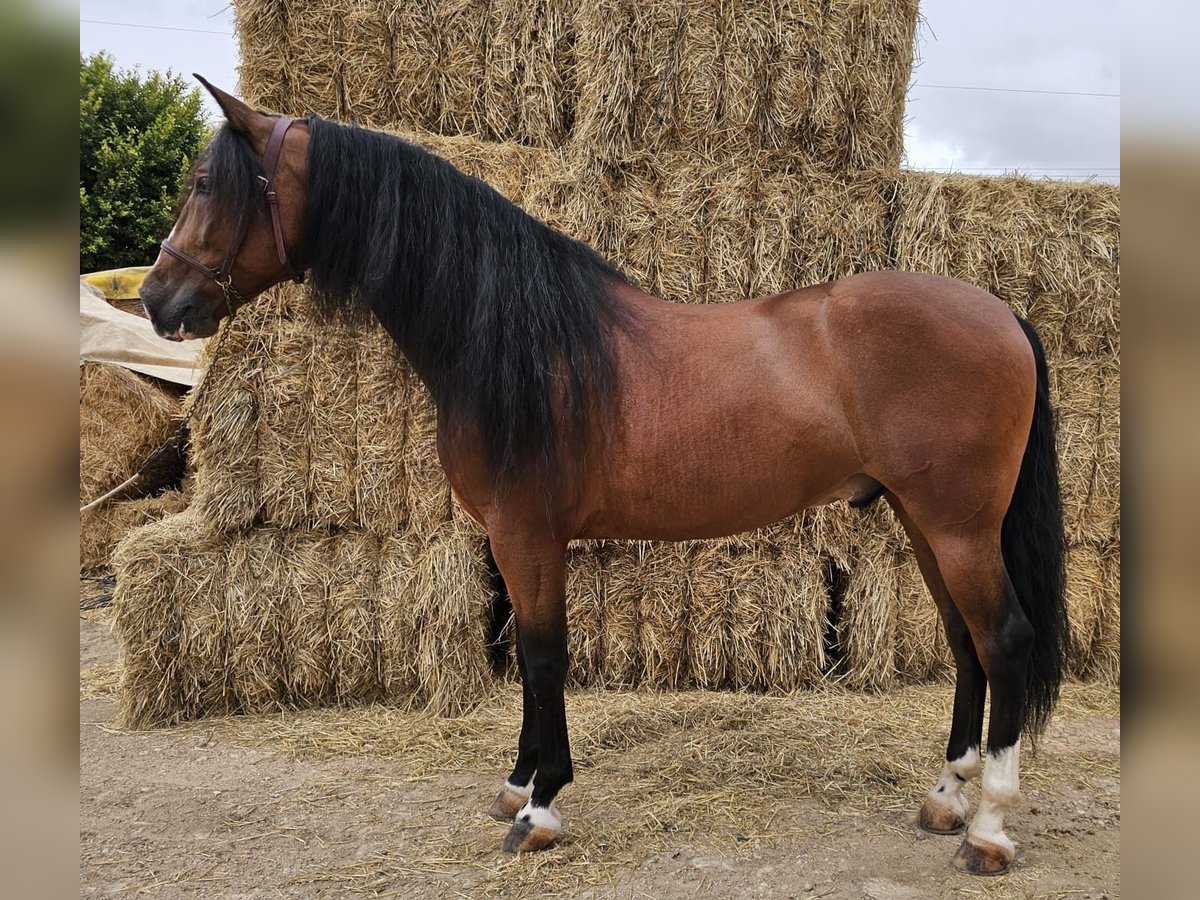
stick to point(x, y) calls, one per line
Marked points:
point(945, 808)
point(972, 566)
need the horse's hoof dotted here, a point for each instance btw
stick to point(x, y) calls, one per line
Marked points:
point(976, 857)
point(534, 828)
point(508, 803)
point(937, 818)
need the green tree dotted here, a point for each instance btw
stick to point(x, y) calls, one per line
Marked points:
point(137, 139)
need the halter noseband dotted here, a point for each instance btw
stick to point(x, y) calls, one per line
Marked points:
point(223, 276)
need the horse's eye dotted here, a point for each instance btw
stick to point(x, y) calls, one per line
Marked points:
point(202, 184)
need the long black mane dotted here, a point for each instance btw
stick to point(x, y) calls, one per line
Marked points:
point(509, 322)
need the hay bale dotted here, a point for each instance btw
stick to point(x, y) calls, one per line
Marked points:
point(103, 527)
point(154, 583)
point(285, 408)
point(1087, 590)
point(867, 626)
point(366, 51)
point(214, 623)
point(265, 63)
point(698, 229)
point(258, 639)
point(652, 224)
point(451, 588)
point(317, 57)
point(793, 630)
point(383, 383)
point(1106, 650)
point(1086, 393)
point(824, 82)
point(757, 592)
point(586, 605)
point(661, 573)
point(331, 441)
point(352, 595)
point(457, 34)
point(504, 71)
point(811, 228)
point(709, 653)
point(224, 426)
point(529, 71)
point(756, 610)
point(620, 630)
point(123, 418)
point(428, 501)
point(303, 558)
point(396, 622)
point(1050, 249)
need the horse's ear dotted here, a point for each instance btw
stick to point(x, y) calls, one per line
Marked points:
point(242, 118)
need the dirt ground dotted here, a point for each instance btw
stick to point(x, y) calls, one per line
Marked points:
point(314, 806)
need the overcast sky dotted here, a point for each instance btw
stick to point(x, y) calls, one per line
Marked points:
point(1025, 47)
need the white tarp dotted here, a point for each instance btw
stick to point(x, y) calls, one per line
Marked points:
point(108, 335)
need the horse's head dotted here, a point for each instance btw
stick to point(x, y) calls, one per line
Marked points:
point(241, 223)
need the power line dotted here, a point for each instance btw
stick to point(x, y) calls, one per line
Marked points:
point(155, 27)
point(1036, 169)
point(1070, 174)
point(1003, 90)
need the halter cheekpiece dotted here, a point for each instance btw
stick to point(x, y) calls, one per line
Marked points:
point(223, 275)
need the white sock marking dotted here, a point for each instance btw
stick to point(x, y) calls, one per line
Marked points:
point(1001, 788)
point(522, 791)
point(955, 773)
point(547, 817)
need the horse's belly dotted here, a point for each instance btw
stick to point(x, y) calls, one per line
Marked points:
point(691, 503)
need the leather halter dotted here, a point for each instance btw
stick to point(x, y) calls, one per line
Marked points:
point(223, 275)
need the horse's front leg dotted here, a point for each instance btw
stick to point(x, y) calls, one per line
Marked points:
point(535, 572)
point(515, 792)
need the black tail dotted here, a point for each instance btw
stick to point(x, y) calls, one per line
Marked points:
point(1034, 552)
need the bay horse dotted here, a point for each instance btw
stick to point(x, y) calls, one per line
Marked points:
point(573, 405)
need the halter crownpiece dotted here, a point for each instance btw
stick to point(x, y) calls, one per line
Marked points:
point(223, 275)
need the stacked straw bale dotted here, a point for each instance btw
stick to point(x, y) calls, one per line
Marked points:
point(254, 621)
point(324, 559)
point(824, 82)
point(497, 70)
